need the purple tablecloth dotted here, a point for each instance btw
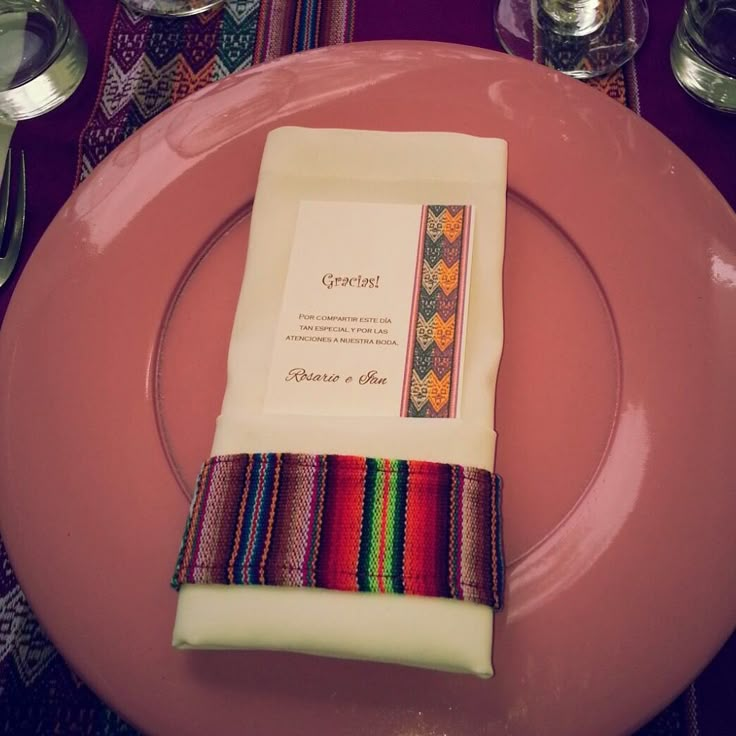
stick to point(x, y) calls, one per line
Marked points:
point(139, 66)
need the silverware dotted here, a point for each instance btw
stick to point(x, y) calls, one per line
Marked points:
point(13, 239)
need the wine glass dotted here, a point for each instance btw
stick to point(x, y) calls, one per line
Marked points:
point(582, 38)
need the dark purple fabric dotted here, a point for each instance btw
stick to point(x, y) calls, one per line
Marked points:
point(717, 688)
point(57, 701)
point(468, 22)
point(51, 176)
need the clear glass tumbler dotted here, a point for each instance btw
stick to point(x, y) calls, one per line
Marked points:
point(43, 57)
point(703, 52)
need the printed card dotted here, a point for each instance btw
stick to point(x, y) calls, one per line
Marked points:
point(373, 313)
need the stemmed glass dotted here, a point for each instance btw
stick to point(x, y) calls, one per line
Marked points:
point(582, 38)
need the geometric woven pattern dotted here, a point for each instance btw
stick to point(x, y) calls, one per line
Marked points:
point(438, 312)
point(21, 638)
point(154, 62)
point(569, 53)
point(39, 694)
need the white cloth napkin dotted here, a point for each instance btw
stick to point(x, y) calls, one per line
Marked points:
point(362, 166)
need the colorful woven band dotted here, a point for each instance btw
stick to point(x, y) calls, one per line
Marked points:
point(345, 523)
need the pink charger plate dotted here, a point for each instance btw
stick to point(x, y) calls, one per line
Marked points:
point(616, 405)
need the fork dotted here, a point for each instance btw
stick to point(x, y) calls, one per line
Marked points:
point(15, 237)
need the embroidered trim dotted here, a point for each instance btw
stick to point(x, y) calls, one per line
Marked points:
point(345, 523)
point(432, 371)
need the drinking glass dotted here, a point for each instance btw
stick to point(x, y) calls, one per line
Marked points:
point(171, 7)
point(43, 57)
point(703, 52)
point(582, 38)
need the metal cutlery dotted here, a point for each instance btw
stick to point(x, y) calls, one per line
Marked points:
point(12, 217)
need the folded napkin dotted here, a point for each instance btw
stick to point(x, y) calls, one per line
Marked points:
point(325, 522)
